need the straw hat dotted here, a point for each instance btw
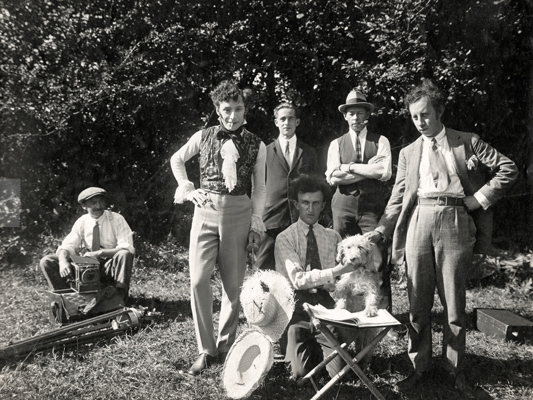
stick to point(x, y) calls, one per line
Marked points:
point(356, 98)
point(267, 299)
point(248, 361)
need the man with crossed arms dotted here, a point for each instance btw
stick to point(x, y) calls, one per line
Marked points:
point(359, 164)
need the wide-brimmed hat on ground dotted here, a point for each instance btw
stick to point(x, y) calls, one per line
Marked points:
point(356, 98)
point(247, 363)
point(267, 299)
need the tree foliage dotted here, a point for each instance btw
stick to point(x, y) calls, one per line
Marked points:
point(103, 92)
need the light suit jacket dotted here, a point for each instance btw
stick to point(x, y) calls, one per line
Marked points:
point(493, 176)
point(279, 211)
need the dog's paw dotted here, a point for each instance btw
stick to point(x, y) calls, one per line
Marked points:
point(371, 311)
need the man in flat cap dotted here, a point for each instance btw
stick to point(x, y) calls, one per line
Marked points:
point(100, 234)
point(359, 162)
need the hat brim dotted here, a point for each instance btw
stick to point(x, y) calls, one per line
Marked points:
point(90, 193)
point(283, 293)
point(94, 195)
point(368, 106)
point(247, 363)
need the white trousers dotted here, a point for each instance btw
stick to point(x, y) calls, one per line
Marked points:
point(221, 231)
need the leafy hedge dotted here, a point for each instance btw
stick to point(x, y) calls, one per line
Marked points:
point(102, 93)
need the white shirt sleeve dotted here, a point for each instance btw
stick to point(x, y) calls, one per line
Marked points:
point(259, 190)
point(72, 242)
point(124, 234)
point(334, 159)
point(177, 163)
point(384, 150)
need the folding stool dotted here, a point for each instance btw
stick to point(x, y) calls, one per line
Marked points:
point(340, 349)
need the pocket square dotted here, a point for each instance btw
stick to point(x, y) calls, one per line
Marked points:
point(472, 163)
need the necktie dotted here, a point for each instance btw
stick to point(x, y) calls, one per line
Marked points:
point(312, 258)
point(358, 155)
point(96, 238)
point(438, 168)
point(288, 154)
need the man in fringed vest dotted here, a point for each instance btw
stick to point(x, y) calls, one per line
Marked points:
point(359, 164)
point(228, 215)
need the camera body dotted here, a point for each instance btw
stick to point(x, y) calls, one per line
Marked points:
point(86, 273)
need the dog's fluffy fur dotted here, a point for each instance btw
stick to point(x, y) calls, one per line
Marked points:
point(358, 290)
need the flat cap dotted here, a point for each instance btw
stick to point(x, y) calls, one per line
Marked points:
point(91, 192)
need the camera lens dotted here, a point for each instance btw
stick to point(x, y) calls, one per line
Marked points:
point(89, 277)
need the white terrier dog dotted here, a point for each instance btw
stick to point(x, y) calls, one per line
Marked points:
point(360, 289)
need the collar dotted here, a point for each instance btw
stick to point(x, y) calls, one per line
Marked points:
point(305, 226)
point(283, 141)
point(362, 134)
point(439, 137)
point(106, 215)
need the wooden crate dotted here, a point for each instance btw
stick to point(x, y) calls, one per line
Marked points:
point(503, 324)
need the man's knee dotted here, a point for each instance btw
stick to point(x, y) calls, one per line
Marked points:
point(124, 257)
point(48, 261)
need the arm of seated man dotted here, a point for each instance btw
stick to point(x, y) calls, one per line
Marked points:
point(288, 264)
point(104, 253)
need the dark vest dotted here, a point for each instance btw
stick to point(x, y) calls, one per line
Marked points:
point(372, 193)
point(211, 178)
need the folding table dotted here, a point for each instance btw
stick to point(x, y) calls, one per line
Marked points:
point(340, 349)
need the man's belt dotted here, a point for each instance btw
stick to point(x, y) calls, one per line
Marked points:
point(440, 201)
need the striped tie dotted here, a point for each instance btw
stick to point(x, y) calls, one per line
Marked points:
point(358, 156)
point(438, 168)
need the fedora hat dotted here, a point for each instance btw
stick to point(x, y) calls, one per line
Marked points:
point(267, 300)
point(356, 98)
point(247, 363)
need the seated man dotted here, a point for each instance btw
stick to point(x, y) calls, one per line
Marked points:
point(305, 254)
point(100, 234)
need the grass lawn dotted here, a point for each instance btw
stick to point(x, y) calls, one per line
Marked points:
point(150, 364)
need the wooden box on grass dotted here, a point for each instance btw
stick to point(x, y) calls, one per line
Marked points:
point(503, 324)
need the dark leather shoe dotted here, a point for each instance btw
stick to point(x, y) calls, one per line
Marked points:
point(462, 386)
point(202, 362)
point(409, 383)
point(221, 359)
point(393, 335)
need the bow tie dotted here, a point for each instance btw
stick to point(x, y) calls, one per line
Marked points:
point(225, 134)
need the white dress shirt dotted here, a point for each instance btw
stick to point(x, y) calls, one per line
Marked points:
point(334, 158)
point(292, 147)
point(114, 232)
point(426, 185)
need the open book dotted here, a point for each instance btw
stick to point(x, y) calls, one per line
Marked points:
point(359, 319)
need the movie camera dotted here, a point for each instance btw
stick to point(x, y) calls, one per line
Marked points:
point(86, 272)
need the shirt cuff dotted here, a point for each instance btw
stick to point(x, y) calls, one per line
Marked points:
point(257, 224)
point(183, 191)
point(481, 199)
point(328, 276)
